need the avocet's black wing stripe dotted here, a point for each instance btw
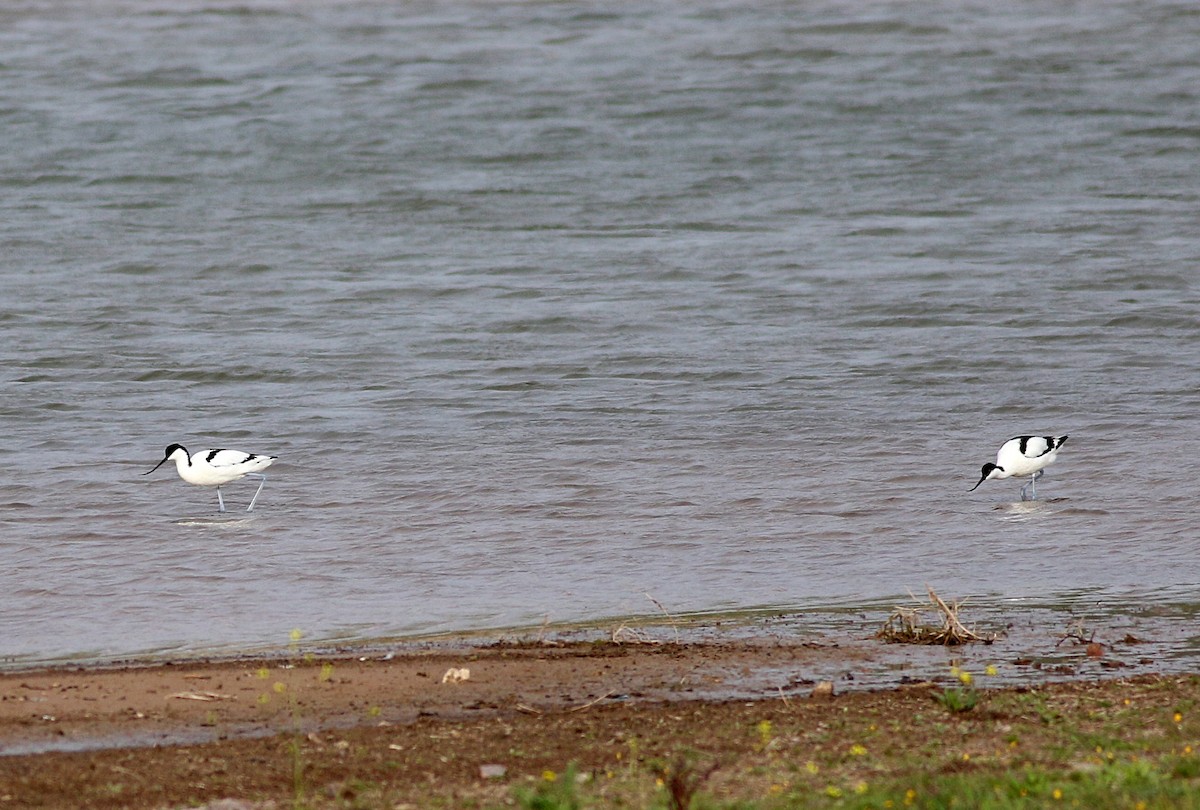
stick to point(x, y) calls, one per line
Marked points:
point(1038, 446)
point(1035, 446)
point(227, 458)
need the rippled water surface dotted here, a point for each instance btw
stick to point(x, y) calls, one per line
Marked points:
point(552, 309)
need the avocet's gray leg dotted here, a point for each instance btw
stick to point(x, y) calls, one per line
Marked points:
point(261, 483)
point(220, 501)
point(1032, 486)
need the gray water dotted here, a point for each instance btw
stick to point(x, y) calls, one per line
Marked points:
point(552, 309)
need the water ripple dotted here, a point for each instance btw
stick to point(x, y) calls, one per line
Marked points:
point(550, 308)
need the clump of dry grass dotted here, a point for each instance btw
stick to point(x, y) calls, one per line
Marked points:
point(904, 626)
point(683, 779)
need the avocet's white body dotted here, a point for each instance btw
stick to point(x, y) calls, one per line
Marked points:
point(212, 468)
point(1023, 456)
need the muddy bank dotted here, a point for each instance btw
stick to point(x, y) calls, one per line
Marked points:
point(311, 689)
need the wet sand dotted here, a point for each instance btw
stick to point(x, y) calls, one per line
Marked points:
point(177, 733)
point(161, 704)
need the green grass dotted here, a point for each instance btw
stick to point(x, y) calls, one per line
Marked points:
point(992, 751)
point(1170, 782)
point(959, 699)
point(1117, 744)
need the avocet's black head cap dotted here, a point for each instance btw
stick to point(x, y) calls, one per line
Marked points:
point(987, 470)
point(171, 448)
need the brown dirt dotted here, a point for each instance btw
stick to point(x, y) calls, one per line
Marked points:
point(141, 705)
point(182, 734)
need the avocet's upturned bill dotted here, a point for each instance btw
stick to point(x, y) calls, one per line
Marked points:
point(1023, 456)
point(212, 468)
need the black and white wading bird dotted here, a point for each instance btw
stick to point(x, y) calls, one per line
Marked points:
point(1023, 456)
point(212, 468)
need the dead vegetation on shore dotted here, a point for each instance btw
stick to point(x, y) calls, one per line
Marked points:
point(905, 625)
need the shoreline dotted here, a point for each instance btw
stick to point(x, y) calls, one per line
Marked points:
point(1163, 627)
point(142, 702)
point(184, 733)
point(390, 734)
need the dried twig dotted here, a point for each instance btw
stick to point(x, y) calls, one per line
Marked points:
point(682, 779)
point(670, 618)
point(636, 636)
point(904, 626)
point(591, 703)
point(541, 636)
point(1076, 634)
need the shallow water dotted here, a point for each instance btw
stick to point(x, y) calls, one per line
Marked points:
point(557, 311)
